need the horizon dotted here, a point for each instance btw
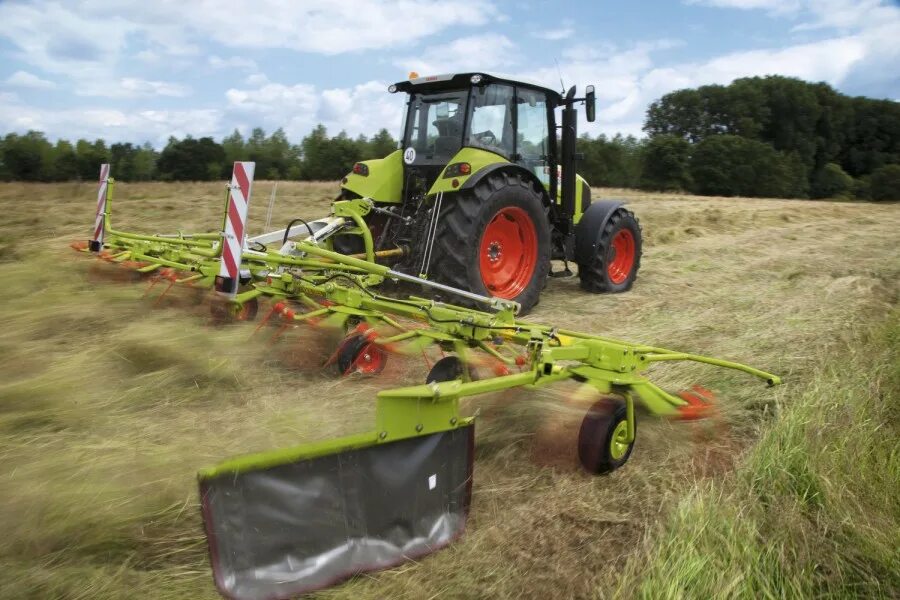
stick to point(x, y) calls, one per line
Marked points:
point(145, 73)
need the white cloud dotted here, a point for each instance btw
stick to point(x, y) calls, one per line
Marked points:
point(256, 79)
point(848, 14)
point(91, 123)
point(131, 87)
point(24, 79)
point(54, 36)
point(777, 7)
point(627, 80)
point(555, 35)
point(325, 28)
point(486, 52)
point(361, 109)
point(234, 62)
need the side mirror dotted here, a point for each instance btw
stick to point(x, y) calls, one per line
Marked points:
point(590, 103)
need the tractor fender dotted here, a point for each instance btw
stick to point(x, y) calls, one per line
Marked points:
point(590, 228)
point(501, 167)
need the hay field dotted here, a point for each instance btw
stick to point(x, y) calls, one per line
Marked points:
point(109, 404)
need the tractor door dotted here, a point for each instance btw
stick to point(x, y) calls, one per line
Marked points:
point(533, 141)
point(491, 124)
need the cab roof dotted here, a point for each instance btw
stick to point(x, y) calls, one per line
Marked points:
point(456, 81)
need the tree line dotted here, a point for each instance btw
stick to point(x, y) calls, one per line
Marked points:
point(31, 157)
point(759, 136)
point(773, 136)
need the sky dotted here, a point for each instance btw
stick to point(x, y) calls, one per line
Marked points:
point(144, 71)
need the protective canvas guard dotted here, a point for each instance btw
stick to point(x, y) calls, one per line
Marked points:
point(284, 530)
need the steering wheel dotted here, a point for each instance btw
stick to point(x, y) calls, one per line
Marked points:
point(487, 137)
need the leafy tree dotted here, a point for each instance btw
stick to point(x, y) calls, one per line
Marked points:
point(612, 162)
point(381, 144)
point(144, 163)
point(862, 188)
point(90, 156)
point(885, 183)
point(191, 160)
point(809, 122)
point(66, 161)
point(666, 164)
point(831, 182)
point(727, 165)
point(25, 156)
point(327, 158)
point(233, 145)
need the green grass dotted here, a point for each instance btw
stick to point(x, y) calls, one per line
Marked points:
point(813, 511)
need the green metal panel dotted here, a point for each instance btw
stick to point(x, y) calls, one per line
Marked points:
point(579, 203)
point(479, 159)
point(384, 183)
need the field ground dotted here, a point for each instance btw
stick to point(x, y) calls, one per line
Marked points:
point(109, 405)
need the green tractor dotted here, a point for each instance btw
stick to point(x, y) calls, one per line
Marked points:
point(483, 193)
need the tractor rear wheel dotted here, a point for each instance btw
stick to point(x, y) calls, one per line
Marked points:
point(494, 240)
point(614, 264)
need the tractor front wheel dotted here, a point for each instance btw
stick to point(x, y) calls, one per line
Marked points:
point(616, 257)
point(494, 240)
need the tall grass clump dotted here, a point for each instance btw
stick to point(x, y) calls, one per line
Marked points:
point(814, 511)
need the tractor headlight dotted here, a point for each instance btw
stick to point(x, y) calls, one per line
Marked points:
point(392, 88)
point(476, 79)
point(457, 170)
point(361, 169)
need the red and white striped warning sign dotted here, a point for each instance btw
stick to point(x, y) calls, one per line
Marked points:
point(101, 204)
point(235, 219)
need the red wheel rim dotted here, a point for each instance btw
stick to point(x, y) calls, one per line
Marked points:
point(370, 359)
point(620, 258)
point(508, 252)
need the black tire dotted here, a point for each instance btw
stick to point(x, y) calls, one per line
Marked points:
point(463, 220)
point(595, 275)
point(223, 311)
point(450, 368)
point(350, 350)
point(446, 369)
point(595, 439)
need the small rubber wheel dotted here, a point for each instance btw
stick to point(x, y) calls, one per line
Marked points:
point(602, 445)
point(358, 353)
point(248, 310)
point(224, 311)
point(446, 369)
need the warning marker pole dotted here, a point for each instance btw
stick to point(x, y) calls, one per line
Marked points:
point(228, 279)
point(100, 220)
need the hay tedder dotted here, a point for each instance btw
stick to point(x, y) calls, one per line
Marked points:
point(288, 521)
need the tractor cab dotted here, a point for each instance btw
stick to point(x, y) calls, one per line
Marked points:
point(510, 120)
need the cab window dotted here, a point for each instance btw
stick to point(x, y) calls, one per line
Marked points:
point(532, 145)
point(491, 124)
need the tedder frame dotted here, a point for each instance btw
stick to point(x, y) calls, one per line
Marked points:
point(291, 520)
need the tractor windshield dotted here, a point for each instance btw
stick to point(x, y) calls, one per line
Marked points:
point(434, 126)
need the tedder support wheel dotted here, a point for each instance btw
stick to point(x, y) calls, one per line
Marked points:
point(614, 263)
point(450, 368)
point(602, 440)
point(494, 240)
point(225, 312)
point(358, 353)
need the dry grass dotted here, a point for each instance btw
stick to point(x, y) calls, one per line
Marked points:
point(108, 405)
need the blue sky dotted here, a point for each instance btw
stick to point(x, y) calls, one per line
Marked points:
point(142, 71)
